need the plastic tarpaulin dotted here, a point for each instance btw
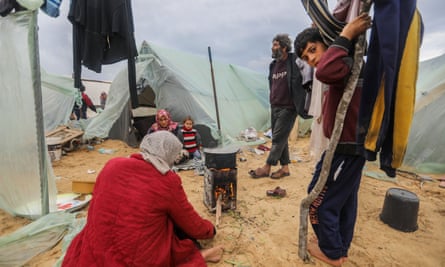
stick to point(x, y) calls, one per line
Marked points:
point(58, 96)
point(26, 176)
point(22, 245)
point(182, 84)
point(426, 143)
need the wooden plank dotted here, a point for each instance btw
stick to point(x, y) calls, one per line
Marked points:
point(82, 187)
point(64, 133)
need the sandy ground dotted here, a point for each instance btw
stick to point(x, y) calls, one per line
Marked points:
point(263, 230)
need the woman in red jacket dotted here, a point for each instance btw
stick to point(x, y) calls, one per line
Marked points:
point(140, 215)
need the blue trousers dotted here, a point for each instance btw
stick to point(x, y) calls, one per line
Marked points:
point(282, 120)
point(333, 213)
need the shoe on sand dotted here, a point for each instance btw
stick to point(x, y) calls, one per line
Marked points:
point(257, 173)
point(279, 174)
point(277, 192)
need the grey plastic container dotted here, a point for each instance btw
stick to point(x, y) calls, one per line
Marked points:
point(400, 210)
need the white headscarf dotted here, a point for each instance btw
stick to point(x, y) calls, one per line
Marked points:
point(160, 149)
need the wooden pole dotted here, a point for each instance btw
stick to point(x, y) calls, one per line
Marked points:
point(214, 90)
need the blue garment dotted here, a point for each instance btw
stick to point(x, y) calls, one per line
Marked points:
point(51, 7)
point(392, 22)
point(333, 213)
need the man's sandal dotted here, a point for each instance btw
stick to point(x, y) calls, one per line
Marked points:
point(279, 174)
point(255, 175)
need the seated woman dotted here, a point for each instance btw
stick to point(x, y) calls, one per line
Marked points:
point(164, 122)
point(140, 215)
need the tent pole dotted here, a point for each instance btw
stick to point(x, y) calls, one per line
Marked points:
point(214, 91)
point(35, 66)
point(131, 57)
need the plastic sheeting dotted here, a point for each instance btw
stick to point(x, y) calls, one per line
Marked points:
point(26, 176)
point(75, 228)
point(22, 245)
point(426, 143)
point(182, 84)
point(58, 96)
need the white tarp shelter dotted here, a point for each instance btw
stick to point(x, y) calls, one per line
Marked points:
point(182, 84)
point(26, 175)
point(426, 143)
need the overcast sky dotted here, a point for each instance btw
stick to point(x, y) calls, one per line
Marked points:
point(238, 32)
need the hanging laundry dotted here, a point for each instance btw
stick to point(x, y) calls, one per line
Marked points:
point(51, 7)
point(328, 25)
point(103, 33)
point(388, 95)
point(347, 10)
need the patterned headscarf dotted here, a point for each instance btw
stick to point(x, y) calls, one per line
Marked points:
point(171, 124)
point(160, 149)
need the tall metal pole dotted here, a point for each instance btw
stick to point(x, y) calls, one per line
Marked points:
point(214, 91)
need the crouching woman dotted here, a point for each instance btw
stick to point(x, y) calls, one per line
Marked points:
point(140, 215)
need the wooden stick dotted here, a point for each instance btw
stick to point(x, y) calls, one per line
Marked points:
point(218, 210)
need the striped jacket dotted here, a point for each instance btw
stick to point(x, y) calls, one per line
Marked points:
point(190, 139)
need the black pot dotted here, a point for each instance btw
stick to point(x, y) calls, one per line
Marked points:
point(220, 158)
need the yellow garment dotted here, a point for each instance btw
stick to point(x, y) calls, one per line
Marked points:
point(406, 91)
point(376, 119)
point(405, 97)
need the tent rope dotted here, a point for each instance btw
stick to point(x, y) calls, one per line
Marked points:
point(338, 128)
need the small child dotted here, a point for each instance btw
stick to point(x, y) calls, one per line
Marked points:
point(190, 138)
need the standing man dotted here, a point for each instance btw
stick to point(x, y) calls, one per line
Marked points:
point(286, 98)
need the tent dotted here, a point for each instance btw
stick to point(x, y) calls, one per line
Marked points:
point(27, 182)
point(426, 143)
point(58, 96)
point(181, 83)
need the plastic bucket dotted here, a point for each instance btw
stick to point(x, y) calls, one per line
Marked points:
point(54, 148)
point(400, 209)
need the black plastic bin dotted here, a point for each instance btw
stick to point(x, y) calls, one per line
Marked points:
point(400, 209)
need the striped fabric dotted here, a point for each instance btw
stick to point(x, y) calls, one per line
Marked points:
point(328, 25)
point(190, 142)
